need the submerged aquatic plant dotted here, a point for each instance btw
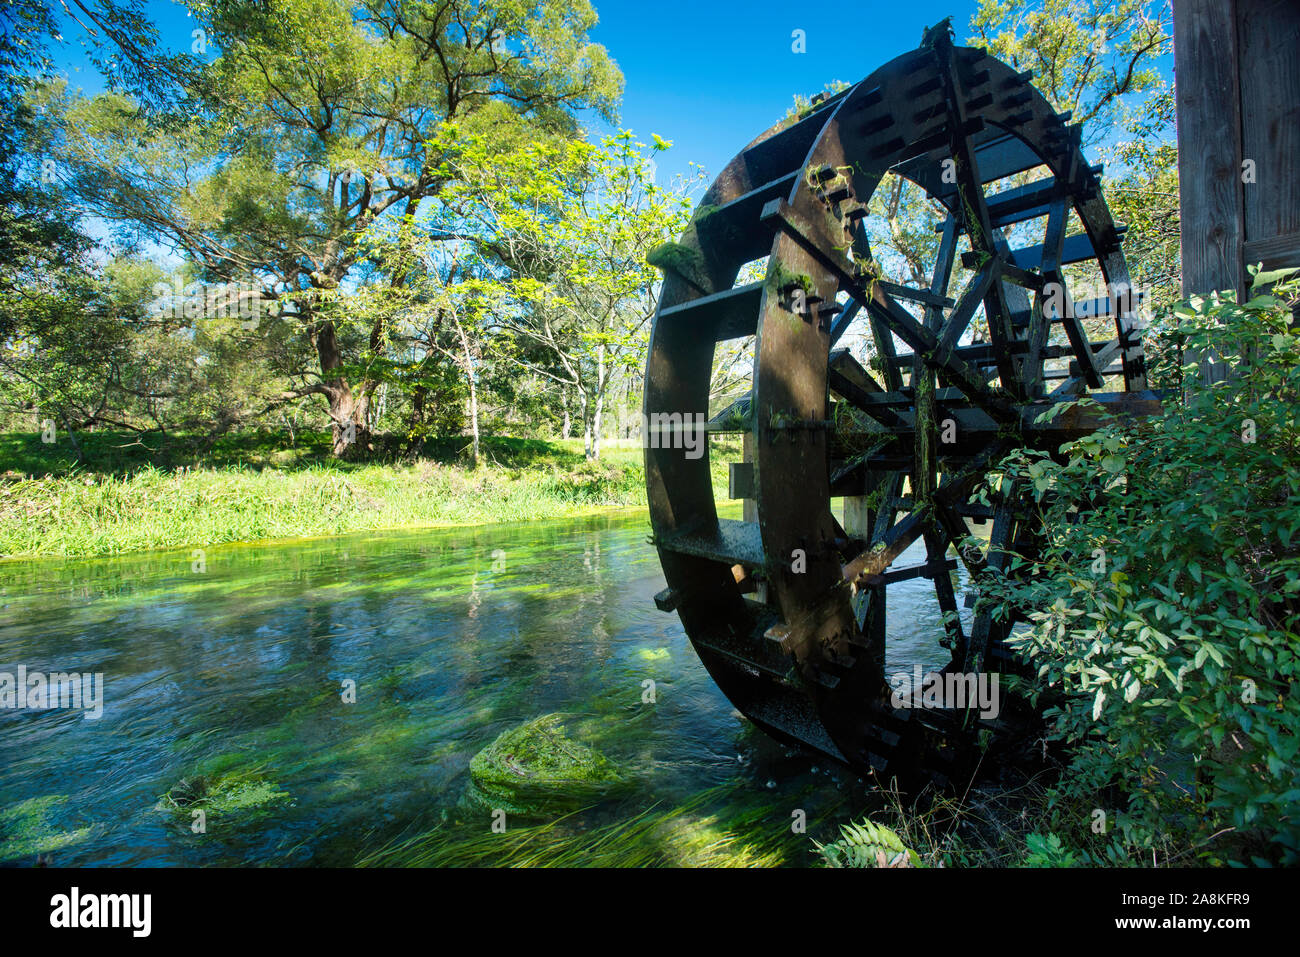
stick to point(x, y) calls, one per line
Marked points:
point(537, 768)
point(236, 791)
point(26, 831)
point(722, 826)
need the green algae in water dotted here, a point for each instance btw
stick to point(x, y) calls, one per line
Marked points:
point(26, 831)
point(659, 837)
point(220, 794)
point(538, 768)
point(728, 825)
point(437, 681)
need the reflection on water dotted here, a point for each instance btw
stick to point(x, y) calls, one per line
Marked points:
point(450, 635)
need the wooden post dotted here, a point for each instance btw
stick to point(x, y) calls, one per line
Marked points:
point(857, 516)
point(750, 507)
point(1209, 157)
point(1268, 44)
point(1209, 135)
point(858, 522)
point(1238, 97)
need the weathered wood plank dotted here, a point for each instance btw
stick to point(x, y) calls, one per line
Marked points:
point(1209, 133)
point(1268, 40)
point(1274, 252)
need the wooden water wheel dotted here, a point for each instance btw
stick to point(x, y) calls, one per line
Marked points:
point(788, 609)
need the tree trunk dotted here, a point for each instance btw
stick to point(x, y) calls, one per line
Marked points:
point(473, 419)
point(593, 431)
point(469, 377)
point(349, 421)
point(595, 427)
point(583, 407)
point(350, 429)
point(415, 424)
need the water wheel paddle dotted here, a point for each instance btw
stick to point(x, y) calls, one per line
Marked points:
point(787, 609)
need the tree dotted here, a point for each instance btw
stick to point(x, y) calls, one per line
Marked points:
point(1097, 59)
point(64, 338)
point(1087, 56)
point(312, 123)
point(560, 232)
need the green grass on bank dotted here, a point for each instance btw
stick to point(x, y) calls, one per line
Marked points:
point(127, 495)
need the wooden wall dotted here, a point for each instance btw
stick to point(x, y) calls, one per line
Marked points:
point(1237, 88)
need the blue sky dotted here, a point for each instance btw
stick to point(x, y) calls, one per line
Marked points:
point(711, 75)
point(708, 75)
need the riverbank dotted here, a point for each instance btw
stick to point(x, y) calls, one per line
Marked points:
point(125, 497)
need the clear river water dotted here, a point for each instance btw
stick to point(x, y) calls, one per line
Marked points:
point(237, 670)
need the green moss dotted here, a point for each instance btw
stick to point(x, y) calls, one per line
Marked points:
point(26, 831)
point(683, 260)
point(721, 230)
point(218, 794)
point(784, 280)
point(537, 768)
point(702, 212)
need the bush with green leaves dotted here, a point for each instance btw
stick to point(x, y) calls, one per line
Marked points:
point(1046, 850)
point(1163, 605)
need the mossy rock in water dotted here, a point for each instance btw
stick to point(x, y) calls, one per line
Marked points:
point(537, 768)
point(238, 792)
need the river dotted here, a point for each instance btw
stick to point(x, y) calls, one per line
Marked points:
point(238, 663)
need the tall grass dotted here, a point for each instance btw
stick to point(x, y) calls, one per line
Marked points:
point(68, 510)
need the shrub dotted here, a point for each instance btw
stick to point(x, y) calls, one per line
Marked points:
point(1163, 606)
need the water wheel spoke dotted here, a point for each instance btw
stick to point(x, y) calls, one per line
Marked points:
point(967, 303)
point(840, 324)
point(995, 560)
point(943, 264)
point(889, 317)
point(893, 542)
point(936, 550)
